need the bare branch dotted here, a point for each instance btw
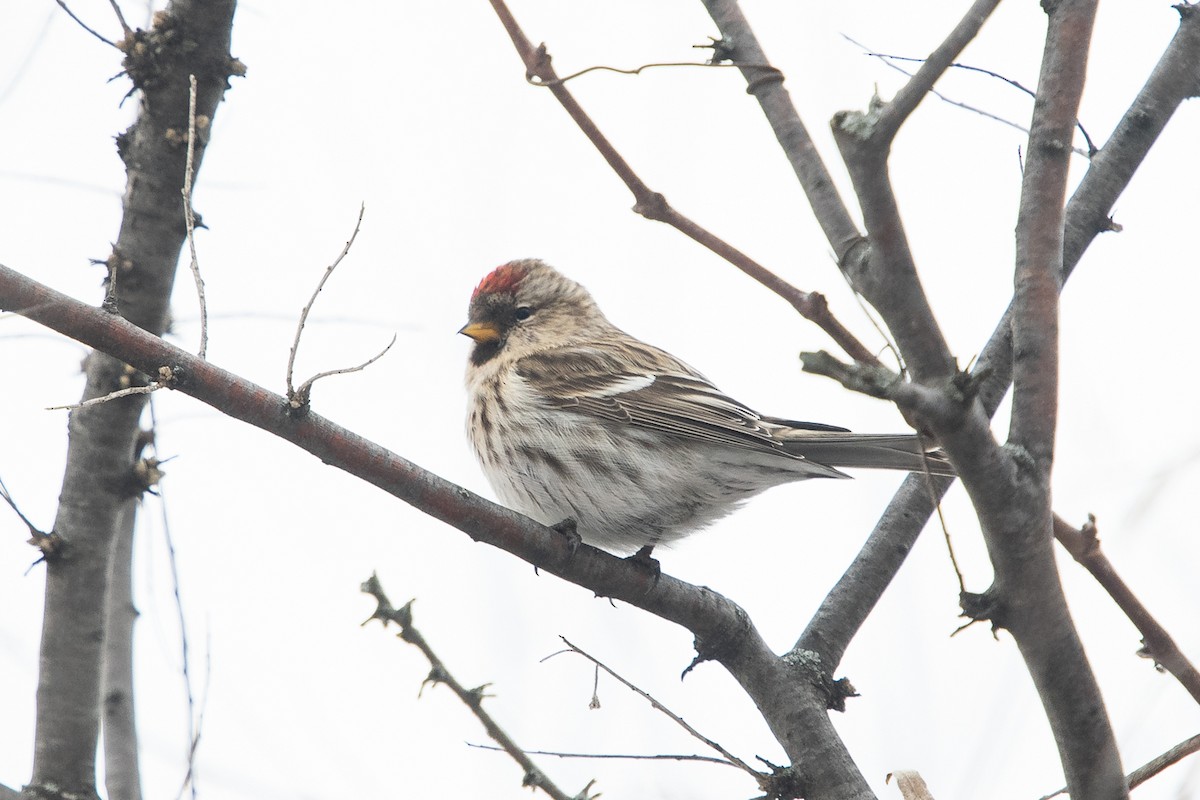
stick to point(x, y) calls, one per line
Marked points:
point(299, 398)
point(189, 214)
point(888, 61)
point(95, 401)
point(302, 395)
point(886, 274)
point(1152, 767)
point(652, 205)
point(766, 85)
point(471, 698)
point(6, 497)
point(1084, 546)
point(84, 25)
point(121, 18)
point(1156, 765)
point(795, 710)
point(617, 756)
point(678, 720)
point(536, 81)
point(907, 99)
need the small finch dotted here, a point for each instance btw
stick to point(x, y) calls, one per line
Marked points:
point(575, 421)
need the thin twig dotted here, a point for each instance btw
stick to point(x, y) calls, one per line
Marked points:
point(7, 497)
point(1152, 767)
point(48, 544)
point(653, 205)
point(121, 18)
point(888, 59)
point(84, 25)
point(302, 394)
point(293, 396)
point(627, 756)
point(536, 81)
point(95, 401)
point(189, 777)
point(189, 215)
point(678, 720)
point(385, 612)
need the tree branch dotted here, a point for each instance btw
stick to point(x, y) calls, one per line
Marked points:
point(652, 205)
point(1175, 78)
point(188, 37)
point(790, 699)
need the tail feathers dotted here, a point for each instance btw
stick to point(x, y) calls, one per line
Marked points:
point(866, 451)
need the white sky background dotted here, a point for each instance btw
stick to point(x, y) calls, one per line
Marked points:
point(420, 110)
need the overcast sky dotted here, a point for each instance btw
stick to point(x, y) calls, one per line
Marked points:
point(420, 111)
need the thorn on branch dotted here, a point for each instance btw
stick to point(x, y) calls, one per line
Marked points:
point(722, 49)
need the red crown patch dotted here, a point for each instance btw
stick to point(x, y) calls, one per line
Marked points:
point(501, 280)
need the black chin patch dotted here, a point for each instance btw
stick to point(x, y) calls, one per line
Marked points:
point(486, 351)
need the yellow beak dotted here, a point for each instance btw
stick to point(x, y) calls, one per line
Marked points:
point(481, 332)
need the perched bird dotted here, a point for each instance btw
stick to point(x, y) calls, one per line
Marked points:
point(575, 421)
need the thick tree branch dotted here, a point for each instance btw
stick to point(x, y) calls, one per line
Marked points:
point(1026, 596)
point(1175, 78)
point(887, 275)
point(790, 697)
point(188, 37)
point(765, 84)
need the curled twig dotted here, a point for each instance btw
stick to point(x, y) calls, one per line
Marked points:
point(537, 81)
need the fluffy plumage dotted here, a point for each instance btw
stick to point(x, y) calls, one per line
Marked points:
point(571, 417)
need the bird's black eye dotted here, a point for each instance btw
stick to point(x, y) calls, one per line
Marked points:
point(524, 313)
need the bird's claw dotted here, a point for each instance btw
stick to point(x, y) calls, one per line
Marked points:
point(567, 529)
point(649, 563)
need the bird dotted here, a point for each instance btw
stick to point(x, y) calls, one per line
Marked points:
point(618, 443)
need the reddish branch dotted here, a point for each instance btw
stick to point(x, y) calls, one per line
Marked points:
point(652, 205)
point(1084, 546)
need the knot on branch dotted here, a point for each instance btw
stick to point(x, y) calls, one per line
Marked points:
point(979, 607)
point(783, 783)
point(808, 666)
point(859, 124)
point(653, 206)
point(167, 53)
point(723, 643)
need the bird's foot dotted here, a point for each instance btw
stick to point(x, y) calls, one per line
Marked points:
point(644, 560)
point(567, 529)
